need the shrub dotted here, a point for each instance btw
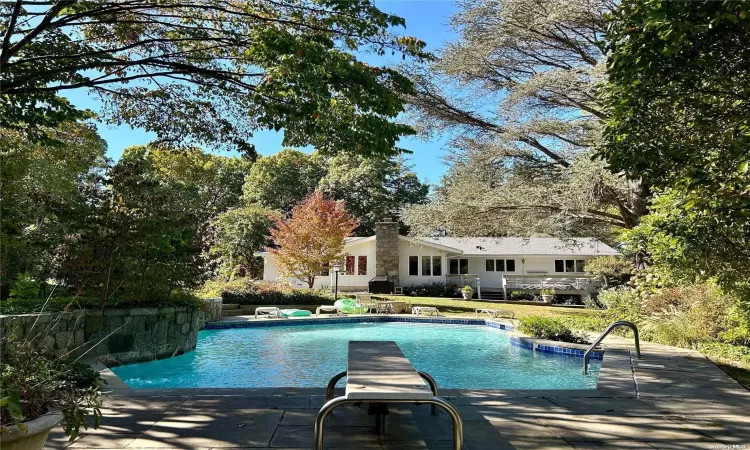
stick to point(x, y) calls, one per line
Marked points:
point(612, 271)
point(520, 295)
point(246, 292)
point(738, 325)
point(550, 328)
point(35, 380)
point(621, 303)
point(687, 315)
point(35, 305)
point(436, 289)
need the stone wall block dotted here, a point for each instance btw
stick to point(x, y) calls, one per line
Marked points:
point(95, 323)
point(63, 339)
point(181, 318)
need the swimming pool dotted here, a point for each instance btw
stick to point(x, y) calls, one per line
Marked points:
point(458, 356)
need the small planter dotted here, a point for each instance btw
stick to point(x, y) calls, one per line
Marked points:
point(547, 298)
point(467, 294)
point(35, 436)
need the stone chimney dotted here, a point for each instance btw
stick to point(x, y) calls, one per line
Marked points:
point(386, 249)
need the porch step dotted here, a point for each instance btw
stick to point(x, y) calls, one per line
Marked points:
point(493, 296)
point(230, 306)
point(233, 312)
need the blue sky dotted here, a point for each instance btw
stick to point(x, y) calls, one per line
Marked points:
point(425, 19)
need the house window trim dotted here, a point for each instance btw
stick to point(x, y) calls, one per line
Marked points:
point(565, 265)
point(458, 266)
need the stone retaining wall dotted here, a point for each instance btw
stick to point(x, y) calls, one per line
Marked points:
point(120, 335)
point(211, 311)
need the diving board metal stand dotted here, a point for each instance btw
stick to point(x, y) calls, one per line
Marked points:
point(378, 373)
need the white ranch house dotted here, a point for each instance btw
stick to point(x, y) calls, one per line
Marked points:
point(493, 266)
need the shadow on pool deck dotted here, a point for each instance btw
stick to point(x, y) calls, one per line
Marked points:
point(671, 399)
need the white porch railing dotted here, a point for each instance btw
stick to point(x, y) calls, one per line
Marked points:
point(544, 281)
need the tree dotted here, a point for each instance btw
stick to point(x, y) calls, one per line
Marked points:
point(372, 188)
point(237, 234)
point(282, 180)
point(43, 196)
point(518, 93)
point(678, 98)
point(312, 237)
point(208, 71)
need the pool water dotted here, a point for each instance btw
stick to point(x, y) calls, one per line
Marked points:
point(457, 356)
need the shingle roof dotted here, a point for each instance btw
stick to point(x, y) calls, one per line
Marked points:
point(476, 246)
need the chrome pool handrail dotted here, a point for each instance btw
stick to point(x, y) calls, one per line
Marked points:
point(612, 326)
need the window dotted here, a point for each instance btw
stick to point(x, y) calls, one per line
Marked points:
point(426, 266)
point(414, 265)
point(500, 265)
point(350, 265)
point(325, 272)
point(361, 265)
point(437, 266)
point(510, 265)
point(458, 266)
point(569, 265)
point(489, 265)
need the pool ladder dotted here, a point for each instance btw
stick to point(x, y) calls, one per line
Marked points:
point(612, 326)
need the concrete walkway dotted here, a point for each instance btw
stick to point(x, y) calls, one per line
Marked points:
point(671, 399)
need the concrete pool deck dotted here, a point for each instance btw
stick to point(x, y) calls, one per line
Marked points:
point(671, 399)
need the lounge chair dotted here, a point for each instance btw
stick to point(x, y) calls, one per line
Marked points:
point(495, 313)
point(427, 310)
point(268, 311)
point(329, 309)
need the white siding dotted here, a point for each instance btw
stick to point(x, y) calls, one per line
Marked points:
point(272, 273)
point(407, 249)
point(525, 265)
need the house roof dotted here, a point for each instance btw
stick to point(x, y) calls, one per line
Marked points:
point(480, 246)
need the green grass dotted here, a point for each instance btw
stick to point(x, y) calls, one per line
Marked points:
point(468, 307)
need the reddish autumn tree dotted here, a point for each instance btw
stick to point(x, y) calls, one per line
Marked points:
point(312, 237)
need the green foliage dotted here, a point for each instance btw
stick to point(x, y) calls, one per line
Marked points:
point(738, 325)
point(247, 292)
point(237, 234)
point(621, 303)
point(547, 292)
point(680, 122)
point(371, 187)
point(283, 180)
point(211, 72)
point(24, 287)
point(35, 305)
point(520, 295)
point(550, 328)
point(611, 271)
point(434, 289)
point(34, 380)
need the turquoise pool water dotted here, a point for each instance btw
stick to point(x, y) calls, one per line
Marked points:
point(458, 356)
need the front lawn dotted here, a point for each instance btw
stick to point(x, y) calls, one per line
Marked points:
point(468, 307)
